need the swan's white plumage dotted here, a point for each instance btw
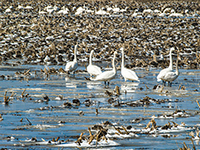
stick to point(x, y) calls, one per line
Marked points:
point(127, 73)
point(172, 75)
point(93, 69)
point(72, 65)
point(176, 15)
point(63, 11)
point(107, 75)
point(166, 70)
point(101, 12)
point(79, 11)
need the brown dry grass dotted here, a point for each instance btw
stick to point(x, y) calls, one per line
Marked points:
point(90, 1)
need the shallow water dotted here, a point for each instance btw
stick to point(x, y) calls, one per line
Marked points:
point(29, 116)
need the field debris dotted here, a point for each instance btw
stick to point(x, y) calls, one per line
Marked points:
point(185, 147)
point(175, 114)
point(1, 118)
point(44, 106)
point(198, 103)
point(195, 135)
point(6, 98)
point(107, 134)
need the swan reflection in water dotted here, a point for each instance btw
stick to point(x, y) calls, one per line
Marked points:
point(129, 86)
point(93, 85)
point(75, 82)
point(70, 82)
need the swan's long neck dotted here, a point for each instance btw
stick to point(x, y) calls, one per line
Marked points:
point(171, 61)
point(122, 65)
point(113, 63)
point(91, 57)
point(177, 71)
point(75, 51)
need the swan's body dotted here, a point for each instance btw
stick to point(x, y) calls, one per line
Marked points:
point(106, 76)
point(127, 73)
point(176, 15)
point(93, 69)
point(166, 70)
point(72, 65)
point(171, 76)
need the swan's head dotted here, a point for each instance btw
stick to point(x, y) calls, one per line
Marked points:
point(122, 48)
point(114, 56)
point(172, 49)
point(92, 52)
point(75, 48)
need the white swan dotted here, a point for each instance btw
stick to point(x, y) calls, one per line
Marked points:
point(174, 14)
point(171, 76)
point(79, 11)
point(101, 12)
point(127, 73)
point(106, 76)
point(72, 65)
point(93, 69)
point(166, 70)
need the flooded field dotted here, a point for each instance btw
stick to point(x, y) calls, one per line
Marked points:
point(52, 112)
point(45, 106)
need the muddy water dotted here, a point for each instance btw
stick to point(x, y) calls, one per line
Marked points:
point(29, 115)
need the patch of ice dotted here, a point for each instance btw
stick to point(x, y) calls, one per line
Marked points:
point(43, 126)
point(92, 144)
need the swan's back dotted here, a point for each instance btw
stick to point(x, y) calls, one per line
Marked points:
point(129, 74)
point(162, 73)
point(71, 66)
point(170, 76)
point(93, 70)
point(107, 75)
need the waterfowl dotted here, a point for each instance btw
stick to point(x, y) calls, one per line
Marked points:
point(93, 69)
point(127, 73)
point(172, 75)
point(106, 76)
point(166, 70)
point(72, 65)
point(101, 12)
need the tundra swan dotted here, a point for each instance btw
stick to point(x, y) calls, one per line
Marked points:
point(72, 65)
point(106, 76)
point(166, 70)
point(127, 73)
point(93, 69)
point(172, 75)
